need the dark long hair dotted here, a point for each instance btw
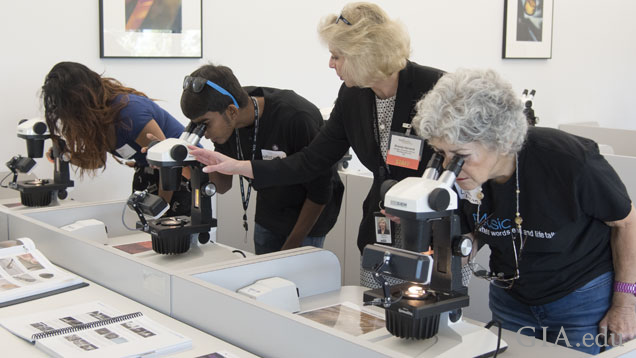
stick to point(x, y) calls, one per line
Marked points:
point(79, 107)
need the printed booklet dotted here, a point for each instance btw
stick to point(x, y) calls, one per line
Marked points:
point(26, 274)
point(347, 317)
point(96, 330)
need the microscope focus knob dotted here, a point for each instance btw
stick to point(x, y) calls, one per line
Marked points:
point(455, 315)
point(209, 189)
point(462, 246)
point(179, 152)
point(439, 199)
point(65, 157)
point(204, 237)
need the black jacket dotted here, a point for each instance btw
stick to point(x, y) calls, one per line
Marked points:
point(351, 124)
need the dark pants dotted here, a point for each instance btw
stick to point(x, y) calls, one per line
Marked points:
point(266, 241)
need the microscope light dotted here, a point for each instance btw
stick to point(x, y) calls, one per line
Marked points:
point(403, 264)
point(21, 164)
point(415, 292)
point(149, 204)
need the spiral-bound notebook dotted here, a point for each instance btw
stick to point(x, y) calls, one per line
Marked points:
point(96, 330)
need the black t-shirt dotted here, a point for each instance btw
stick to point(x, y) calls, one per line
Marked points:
point(288, 123)
point(567, 192)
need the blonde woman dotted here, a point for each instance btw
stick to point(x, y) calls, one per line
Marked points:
point(369, 52)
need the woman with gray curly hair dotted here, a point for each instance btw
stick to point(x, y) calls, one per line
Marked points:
point(558, 220)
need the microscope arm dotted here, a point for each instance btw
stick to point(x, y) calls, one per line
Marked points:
point(142, 218)
point(387, 301)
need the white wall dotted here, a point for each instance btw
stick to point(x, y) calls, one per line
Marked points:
point(274, 43)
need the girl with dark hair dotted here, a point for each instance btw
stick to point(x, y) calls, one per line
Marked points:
point(98, 115)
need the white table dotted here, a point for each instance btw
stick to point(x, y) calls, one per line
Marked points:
point(144, 277)
point(515, 348)
point(202, 343)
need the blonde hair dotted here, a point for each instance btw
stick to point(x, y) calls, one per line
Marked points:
point(373, 45)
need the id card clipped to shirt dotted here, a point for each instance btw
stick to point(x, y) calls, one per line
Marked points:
point(382, 229)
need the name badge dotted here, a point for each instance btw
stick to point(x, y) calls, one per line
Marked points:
point(404, 151)
point(125, 151)
point(382, 229)
point(272, 154)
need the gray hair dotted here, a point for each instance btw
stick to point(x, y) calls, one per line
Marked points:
point(473, 106)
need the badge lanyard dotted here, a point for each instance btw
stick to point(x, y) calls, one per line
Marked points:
point(239, 151)
point(384, 171)
point(376, 126)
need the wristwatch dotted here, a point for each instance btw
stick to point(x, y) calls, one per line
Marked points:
point(625, 287)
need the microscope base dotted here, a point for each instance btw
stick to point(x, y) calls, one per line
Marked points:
point(460, 339)
point(417, 318)
point(175, 239)
point(38, 192)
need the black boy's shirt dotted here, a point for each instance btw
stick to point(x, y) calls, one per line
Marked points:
point(288, 123)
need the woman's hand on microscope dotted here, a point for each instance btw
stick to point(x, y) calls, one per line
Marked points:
point(217, 162)
point(49, 155)
point(151, 138)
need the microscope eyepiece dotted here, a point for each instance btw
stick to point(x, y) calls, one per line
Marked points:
point(434, 167)
point(452, 170)
point(200, 130)
point(190, 127)
point(436, 162)
point(187, 130)
point(455, 165)
point(196, 134)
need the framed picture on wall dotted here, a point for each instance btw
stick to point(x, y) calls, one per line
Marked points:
point(150, 28)
point(527, 29)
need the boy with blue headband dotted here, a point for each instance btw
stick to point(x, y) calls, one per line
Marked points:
point(255, 123)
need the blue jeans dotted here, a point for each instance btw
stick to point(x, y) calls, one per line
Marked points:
point(266, 241)
point(566, 320)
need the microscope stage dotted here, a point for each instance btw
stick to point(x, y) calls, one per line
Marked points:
point(432, 302)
